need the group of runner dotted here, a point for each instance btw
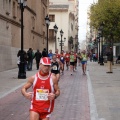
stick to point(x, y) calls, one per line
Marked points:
point(45, 88)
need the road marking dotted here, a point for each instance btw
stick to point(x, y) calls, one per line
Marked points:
point(93, 109)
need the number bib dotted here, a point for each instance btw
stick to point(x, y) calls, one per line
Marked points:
point(54, 67)
point(42, 94)
point(62, 58)
point(84, 58)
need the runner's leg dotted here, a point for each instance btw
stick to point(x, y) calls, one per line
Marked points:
point(34, 115)
point(46, 118)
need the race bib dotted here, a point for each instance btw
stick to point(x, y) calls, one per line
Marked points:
point(54, 67)
point(42, 94)
point(84, 58)
point(61, 58)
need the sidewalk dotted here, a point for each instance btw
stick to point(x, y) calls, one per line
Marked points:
point(106, 91)
point(9, 80)
point(95, 96)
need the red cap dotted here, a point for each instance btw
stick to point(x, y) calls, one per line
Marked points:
point(45, 61)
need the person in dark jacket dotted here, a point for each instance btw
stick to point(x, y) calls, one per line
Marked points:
point(109, 60)
point(37, 57)
point(30, 59)
point(44, 53)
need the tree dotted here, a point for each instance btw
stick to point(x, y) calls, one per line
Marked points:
point(107, 12)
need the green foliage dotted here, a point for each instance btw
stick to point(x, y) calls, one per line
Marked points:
point(107, 12)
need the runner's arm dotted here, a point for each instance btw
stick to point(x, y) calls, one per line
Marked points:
point(27, 85)
point(56, 87)
point(61, 64)
point(52, 96)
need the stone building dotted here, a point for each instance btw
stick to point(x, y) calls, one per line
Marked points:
point(63, 13)
point(10, 29)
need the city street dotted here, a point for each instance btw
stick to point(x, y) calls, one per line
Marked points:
point(94, 96)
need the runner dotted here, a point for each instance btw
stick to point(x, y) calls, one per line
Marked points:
point(62, 59)
point(78, 56)
point(84, 62)
point(75, 61)
point(67, 59)
point(72, 62)
point(55, 66)
point(57, 54)
point(45, 90)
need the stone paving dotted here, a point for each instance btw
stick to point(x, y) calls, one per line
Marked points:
point(95, 96)
point(73, 103)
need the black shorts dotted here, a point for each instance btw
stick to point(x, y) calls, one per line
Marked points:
point(55, 71)
point(75, 61)
point(72, 63)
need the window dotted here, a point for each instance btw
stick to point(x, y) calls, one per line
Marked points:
point(52, 18)
point(33, 22)
point(71, 26)
point(51, 34)
point(43, 15)
point(43, 36)
point(3, 4)
point(13, 10)
point(18, 12)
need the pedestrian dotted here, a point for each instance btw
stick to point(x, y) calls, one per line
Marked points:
point(84, 61)
point(30, 59)
point(50, 55)
point(55, 66)
point(62, 59)
point(37, 57)
point(44, 90)
point(67, 59)
point(78, 56)
point(18, 58)
point(72, 60)
point(44, 53)
point(110, 60)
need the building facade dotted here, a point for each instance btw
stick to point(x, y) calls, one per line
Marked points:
point(10, 32)
point(65, 14)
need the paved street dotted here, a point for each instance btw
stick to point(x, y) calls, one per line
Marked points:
point(91, 97)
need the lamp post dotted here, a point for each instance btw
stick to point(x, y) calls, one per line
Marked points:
point(61, 42)
point(61, 33)
point(47, 21)
point(101, 28)
point(98, 38)
point(55, 30)
point(22, 73)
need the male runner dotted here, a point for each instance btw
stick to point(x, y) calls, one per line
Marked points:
point(67, 59)
point(45, 90)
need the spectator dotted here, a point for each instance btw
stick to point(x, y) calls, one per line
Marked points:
point(37, 57)
point(44, 53)
point(109, 60)
point(30, 59)
point(50, 55)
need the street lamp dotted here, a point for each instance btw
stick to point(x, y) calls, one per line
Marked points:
point(55, 30)
point(47, 21)
point(98, 38)
point(22, 73)
point(61, 42)
point(101, 28)
point(61, 33)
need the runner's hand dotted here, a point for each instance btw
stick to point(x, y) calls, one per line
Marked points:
point(51, 96)
point(28, 95)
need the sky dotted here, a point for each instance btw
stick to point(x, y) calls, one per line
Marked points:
point(83, 6)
